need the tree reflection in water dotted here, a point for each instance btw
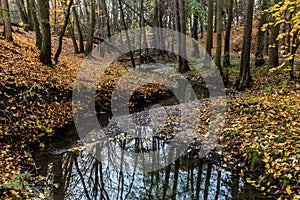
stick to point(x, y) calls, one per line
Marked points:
point(81, 176)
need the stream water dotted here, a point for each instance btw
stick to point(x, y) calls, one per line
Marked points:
point(79, 175)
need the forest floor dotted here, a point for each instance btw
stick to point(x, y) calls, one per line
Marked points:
point(260, 140)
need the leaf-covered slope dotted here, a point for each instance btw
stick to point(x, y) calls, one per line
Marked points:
point(264, 131)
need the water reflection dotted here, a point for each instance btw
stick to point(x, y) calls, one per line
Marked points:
point(81, 176)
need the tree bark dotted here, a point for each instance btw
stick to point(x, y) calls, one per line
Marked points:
point(267, 42)
point(43, 11)
point(183, 64)
point(244, 79)
point(209, 37)
point(63, 30)
point(32, 14)
point(24, 16)
point(296, 44)
point(219, 35)
point(107, 19)
point(79, 32)
point(216, 16)
point(126, 34)
point(273, 51)
point(90, 40)
point(71, 30)
point(196, 51)
point(226, 61)
point(259, 55)
point(6, 20)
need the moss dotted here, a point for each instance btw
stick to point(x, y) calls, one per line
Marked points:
point(256, 162)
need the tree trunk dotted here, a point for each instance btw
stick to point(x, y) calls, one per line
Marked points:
point(90, 40)
point(267, 42)
point(63, 30)
point(259, 55)
point(107, 19)
point(196, 51)
point(237, 13)
point(216, 16)
point(296, 44)
point(183, 65)
point(79, 32)
point(43, 10)
point(71, 30)
point(209, 37)
point(29, 11)
point(274, 58)
point(87, 13)
point(226, 61)
point(126, 34)
point(219, 35)
point(23, 15)
point(32, 12)
point(6, 20)
point(244, 79)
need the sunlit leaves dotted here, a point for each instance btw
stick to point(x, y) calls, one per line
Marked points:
point(270, 126)
point(287, 13)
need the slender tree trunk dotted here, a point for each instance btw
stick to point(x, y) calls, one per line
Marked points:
point(87, 13)
point(274, 57)
point(244, 79)
point(63, 30)
point(79, 32)
point(33, 15)
point(6, 19)
point(196, 51)
point(259, 55)
point(226, 61)
point(55, 14)
point(1, 15)
point(183, 65)
point(295, 47)
point(23, 15)
point(237, 12)
point(209, 38)
point(71, 31)
point(267, 42)
point(126, 33)
point(90, 40)
point(219, 35)
point(273, 52)
point(201, 27)
point(216, 16)
point(29, 11)
point(157, 24)
point(107, 18)
point(45, 53)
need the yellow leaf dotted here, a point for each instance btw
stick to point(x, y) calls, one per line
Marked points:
point(288, 190)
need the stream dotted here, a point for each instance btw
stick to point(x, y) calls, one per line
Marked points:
point(70, 164)
point(79, 175)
